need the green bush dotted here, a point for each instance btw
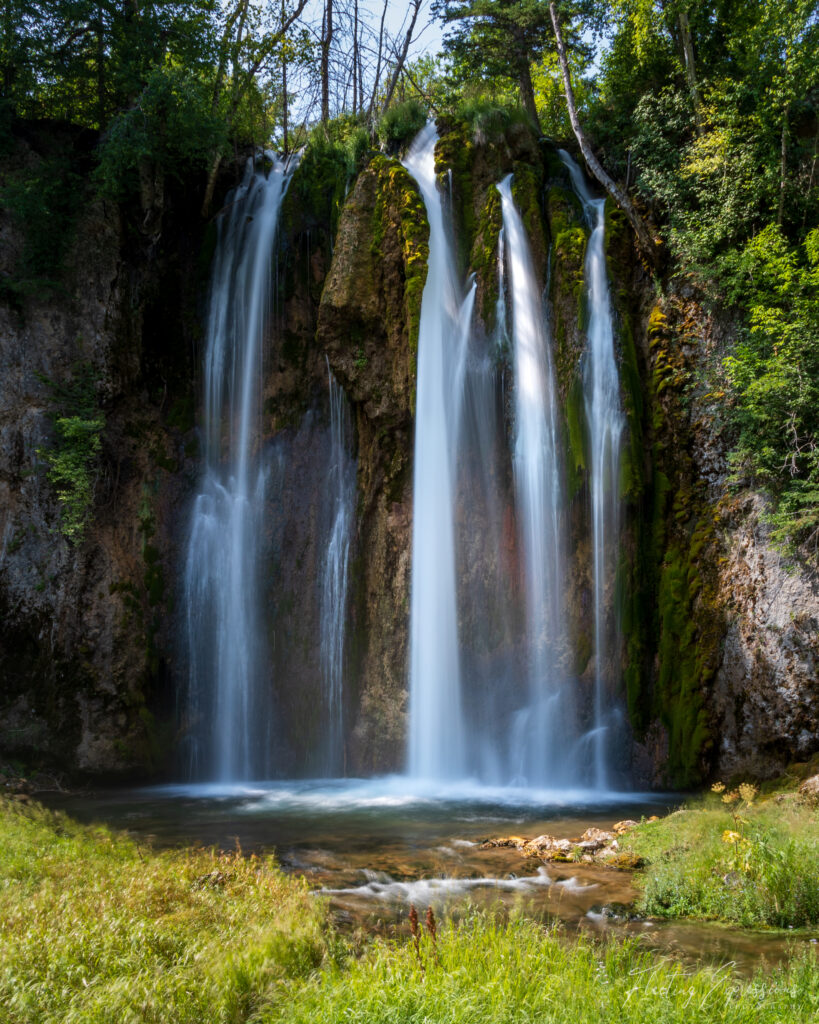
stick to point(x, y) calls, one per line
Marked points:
point(401, 123)
point(773, 378)
point(73, 458)
point(489, 120)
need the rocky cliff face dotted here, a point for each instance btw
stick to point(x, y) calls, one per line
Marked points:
point(720, 626)
point(83, 654)
point(719, 631)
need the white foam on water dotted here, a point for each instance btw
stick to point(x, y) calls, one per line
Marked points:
point(575, 885)
point(397, 792)
point(424, 891)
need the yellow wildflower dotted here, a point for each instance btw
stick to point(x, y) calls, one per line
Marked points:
point(718, 787)
point(747, 792)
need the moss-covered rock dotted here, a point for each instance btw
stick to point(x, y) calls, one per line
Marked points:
point(484, 258)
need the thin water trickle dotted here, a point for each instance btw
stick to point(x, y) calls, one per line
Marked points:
point(544, 731)
point(228, 715)
point(437, 743)
point(341, 479)
point(604, 415)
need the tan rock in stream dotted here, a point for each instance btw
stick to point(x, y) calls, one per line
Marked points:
point(516, 841)
point(594, 839)
point(809, 790)
point(548, 848)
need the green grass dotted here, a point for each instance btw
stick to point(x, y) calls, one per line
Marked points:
point(94, 928)
point(517, 972)
point(768, 876)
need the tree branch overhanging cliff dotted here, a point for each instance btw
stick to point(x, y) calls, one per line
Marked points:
point(650, 244)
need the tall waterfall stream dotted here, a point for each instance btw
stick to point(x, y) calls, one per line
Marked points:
point(606, 423)
point(437, 739)
point(335, 575)
point(228, 708)
point(546, 732)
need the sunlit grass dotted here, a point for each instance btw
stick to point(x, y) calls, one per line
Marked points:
point(516, 972)
point(753, 864)
point(93, 928)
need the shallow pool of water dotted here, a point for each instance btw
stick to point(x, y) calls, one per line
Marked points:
point(374, 847)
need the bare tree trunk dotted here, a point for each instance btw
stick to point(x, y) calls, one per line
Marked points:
point(355, 57)
point(241, 82)
point(360, 76)
point(416, 7)
point(377, 81)
point(284, 90)
point(812, 177)
point(783, 166)
point(224, 53)
point(100, 68)
point(527, 92)
point(326, 40)
point(648, 243)
point(234, 84)
point(213, 173)
point(690, 67)
point(427, 99)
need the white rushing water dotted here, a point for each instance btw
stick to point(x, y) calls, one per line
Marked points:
point(606, 423)
point(229, 714)
point(437, 744)
point(333, 612)
point(545, 731)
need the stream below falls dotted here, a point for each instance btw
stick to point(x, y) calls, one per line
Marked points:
point(375, 846)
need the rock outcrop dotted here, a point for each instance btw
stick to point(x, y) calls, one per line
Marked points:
point(720, 630)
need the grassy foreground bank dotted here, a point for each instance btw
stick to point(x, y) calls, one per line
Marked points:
point(94, 928)
point(733, 856)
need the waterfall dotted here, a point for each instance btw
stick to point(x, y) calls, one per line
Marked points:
point(341, 477)
point(437, 742)
point(606, 424)
point(229, 717)
point(545, 730)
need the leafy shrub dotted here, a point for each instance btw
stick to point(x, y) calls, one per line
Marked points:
point(74, 456)
point(773, 377)
point(401, 123)
point(488, 120)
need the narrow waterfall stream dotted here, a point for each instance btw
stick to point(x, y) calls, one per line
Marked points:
point(546, 730)
point(229, 714)
point(437, 742)
point(333, 612)
point(606, 424)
